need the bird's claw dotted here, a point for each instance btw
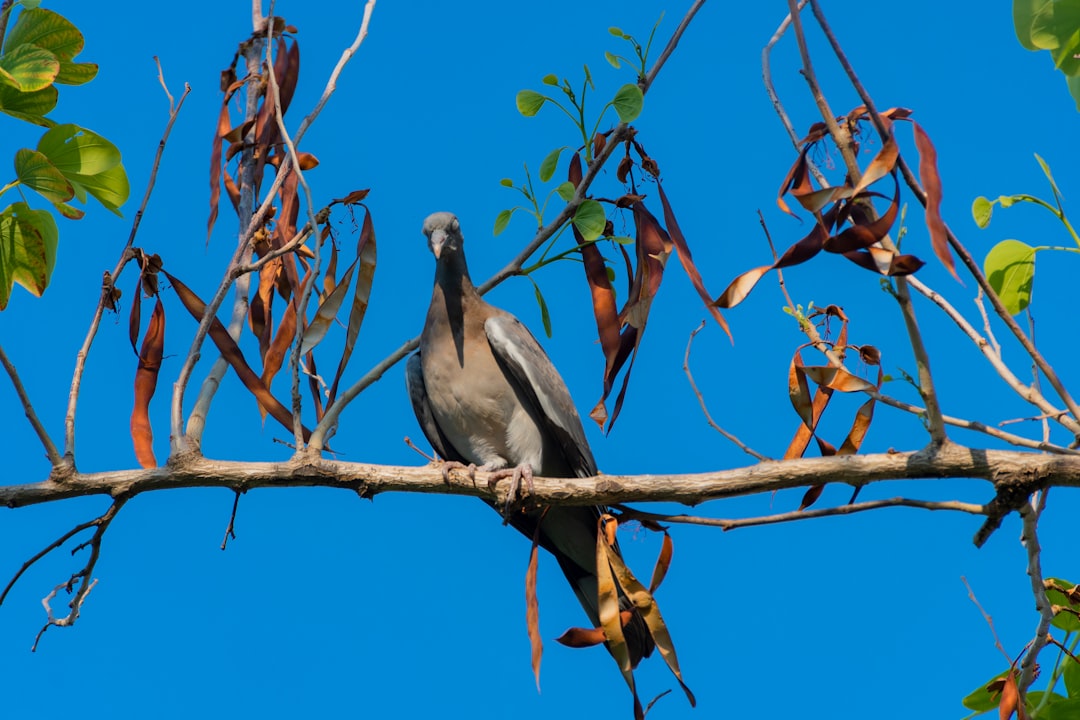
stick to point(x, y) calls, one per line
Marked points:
point(518, 475)
point(447, 465)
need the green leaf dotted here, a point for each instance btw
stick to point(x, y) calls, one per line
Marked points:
point(529, 102)
point(29, 68)
point(610, 273)
point(623, 240)
point(617, 32)
point(110, 188)
point(78, 151)
point(588, 77)
point(545, 316)
point(1025, 13)
point(980, 700)
point(35, 171)
point(507, 182)
point(1072, 677)
point(1010, 268)
point(31, 107)
point(72, 73)
point(981, 209)
point(1006, 201)
point(1065, 621)
point(550, 79)
point(1074, 89)
point(49, 31)
point(502, 220)
point(28, 240)
point(628, 102)
point(565, 191)
point(547, 167)
point(590, 219)
point(1060, 710)
point(612, 60)
point(30, 4)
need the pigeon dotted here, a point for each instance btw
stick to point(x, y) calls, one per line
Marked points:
point(487, 395)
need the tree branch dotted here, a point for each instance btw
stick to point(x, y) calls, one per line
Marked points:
point(725, 525)
point(28, 409)
point(1013, 473)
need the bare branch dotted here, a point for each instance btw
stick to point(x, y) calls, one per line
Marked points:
point(1012, 472)
point(28, 409)
point(989, 621)
point(972, 508)
point(1030, 539)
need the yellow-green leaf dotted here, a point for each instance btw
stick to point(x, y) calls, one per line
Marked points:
point(628, 101)
point(28, 106)
point(590, 219)
point(48, 30)
point(77, 151)
point(1010, 268)
point(35, 171)
point(28, 240)
point(529, 102)
point(110, 188)
point(29, 68)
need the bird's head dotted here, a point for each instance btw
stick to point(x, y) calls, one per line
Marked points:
point(443, 233)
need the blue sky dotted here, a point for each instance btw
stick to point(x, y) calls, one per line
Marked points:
point(406, 606)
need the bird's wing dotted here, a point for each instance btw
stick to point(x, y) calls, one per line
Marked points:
point(414, 382)
point(531, 371)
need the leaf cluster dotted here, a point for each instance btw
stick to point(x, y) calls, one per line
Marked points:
point(69, 161)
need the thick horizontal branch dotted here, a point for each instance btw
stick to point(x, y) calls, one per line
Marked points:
point(1015, 474)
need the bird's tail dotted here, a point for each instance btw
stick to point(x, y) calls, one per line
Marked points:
point(569, 533)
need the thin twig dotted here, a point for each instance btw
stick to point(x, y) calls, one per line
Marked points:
point(84, 576)
point(230, 529)
point(671, 45)
point(1030, 540)
point(164, 86)
point(701, 400)
point(1030, 393)
point(729, 524)
point(28, 408)
point(770, 89)
point(106, 291)
point(989, 621)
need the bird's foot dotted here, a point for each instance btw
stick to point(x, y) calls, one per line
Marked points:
point(447, 465)
point(518, 475)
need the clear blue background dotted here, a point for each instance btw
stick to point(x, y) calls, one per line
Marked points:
point(408, 606)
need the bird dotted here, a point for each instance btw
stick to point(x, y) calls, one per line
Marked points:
point(486, 395)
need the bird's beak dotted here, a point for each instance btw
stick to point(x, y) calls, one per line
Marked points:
point(436, 241)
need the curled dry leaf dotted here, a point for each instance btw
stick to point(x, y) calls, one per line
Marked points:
point(367, 254)
point(663, 563)
point(532, 609)
point(683, 251)
point(931, 182)
point(146, 376)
